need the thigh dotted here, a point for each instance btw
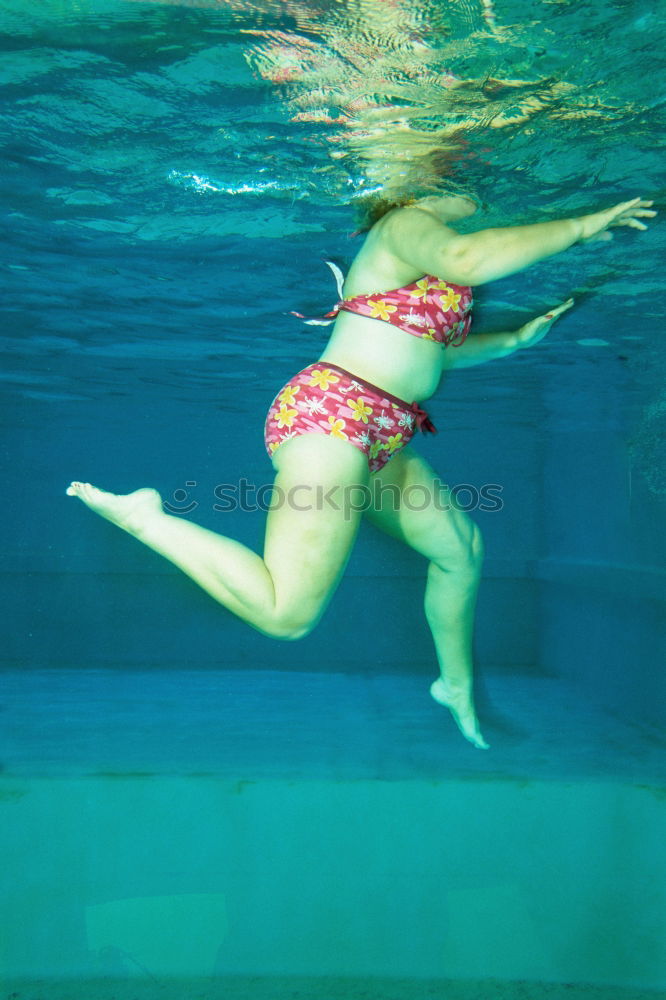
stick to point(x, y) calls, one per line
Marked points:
point(411, 503)
point(313, 519)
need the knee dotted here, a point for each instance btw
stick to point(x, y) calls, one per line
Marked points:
point(463, 552)
point(295, 632)
point(289, 628)
point(471, 554)
point(476, 545)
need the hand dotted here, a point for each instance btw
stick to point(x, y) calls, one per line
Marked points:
point(537, 328)
point(627, 213)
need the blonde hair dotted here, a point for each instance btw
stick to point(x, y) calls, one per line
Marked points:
point(371, 209)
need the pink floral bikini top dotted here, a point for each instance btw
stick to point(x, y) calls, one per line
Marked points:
point(429, 308)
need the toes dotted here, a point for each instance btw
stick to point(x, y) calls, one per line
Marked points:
point(466, 722)
point(84, 491)
point(472, 734)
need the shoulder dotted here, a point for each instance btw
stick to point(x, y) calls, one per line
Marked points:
point(414, 221)
point(406, 231)
point(418, 241)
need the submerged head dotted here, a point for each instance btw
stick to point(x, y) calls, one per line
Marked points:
point(448, 207)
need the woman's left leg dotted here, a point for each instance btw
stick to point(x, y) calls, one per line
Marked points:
point(410, 503)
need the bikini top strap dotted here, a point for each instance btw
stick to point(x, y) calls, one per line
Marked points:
point(328, 317)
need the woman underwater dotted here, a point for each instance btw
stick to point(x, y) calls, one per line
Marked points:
point(345, 423)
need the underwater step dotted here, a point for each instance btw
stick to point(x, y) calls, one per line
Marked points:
point(306, 724)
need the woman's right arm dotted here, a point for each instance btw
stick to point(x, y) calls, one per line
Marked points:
point(477, 258)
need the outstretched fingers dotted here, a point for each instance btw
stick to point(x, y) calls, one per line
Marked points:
point(632, 221)
point(557, 311)
point(535, 330)
point(596, 227)
point(628, 213)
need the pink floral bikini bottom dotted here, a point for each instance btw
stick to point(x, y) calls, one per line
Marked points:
point(326, 399)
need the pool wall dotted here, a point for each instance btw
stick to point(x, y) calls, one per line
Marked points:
point(574, 579)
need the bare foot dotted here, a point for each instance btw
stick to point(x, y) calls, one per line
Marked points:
point(129, 511)
point(462, 710)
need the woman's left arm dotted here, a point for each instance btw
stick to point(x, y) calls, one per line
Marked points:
point(482, 347)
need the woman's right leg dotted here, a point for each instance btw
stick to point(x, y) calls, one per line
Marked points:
point(310, 531)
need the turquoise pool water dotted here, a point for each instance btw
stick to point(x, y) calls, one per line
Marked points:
point(190, 807)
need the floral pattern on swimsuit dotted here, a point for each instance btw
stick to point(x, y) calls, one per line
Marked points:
point(429, 308)
point(324, 399)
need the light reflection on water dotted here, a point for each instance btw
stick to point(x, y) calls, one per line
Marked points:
point(160, 153)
